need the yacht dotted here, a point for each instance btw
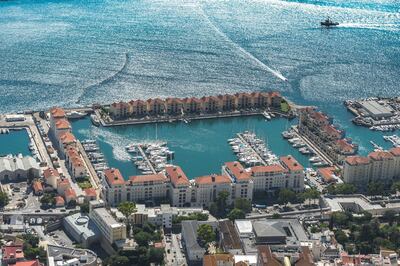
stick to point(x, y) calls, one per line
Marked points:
point(315, 159)
point(329, 23)
point(75, 115)
point(95, 120)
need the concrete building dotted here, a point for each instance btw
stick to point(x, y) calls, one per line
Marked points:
point(111, 230)
point(376, 110)
point(268, 178)
point(161, 216)
point(193, 250)
point(113, 186)
point(378, 166)
point(82, 229)
point(13, 168)
point(67, 256)
point(146, 187)
point(243, 184)
point(219, 260)
point(207, 189)
point(180, 189)
point(119, 110)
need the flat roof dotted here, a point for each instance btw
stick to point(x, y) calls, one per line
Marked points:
point(336, 203)
point(107, 217)
point(375, 108)
point(82, 224)
point(244, 226)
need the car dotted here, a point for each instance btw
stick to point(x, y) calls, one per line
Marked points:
point(37, 210)
point(49, 210)
point(62, 210)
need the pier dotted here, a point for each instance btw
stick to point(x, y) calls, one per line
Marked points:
point(144, 155)
point(259, 157)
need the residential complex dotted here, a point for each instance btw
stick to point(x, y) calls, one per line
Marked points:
point(319, 128)
point(174, 185)
point(207, 104)
point(379, 166)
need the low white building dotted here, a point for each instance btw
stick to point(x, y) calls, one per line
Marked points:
point(14, 168)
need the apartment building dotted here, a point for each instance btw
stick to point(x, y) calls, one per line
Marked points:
point(180, 188)
point(379, 166)
point(173, 106)
point(208, 187)
point(146, 187)
point(295, 173)
point(137, 108)
point(268, 178)
point(119, 110)
point(110, 229)
point(243, 184)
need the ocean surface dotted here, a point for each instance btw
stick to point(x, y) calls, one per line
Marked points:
point(76, 52)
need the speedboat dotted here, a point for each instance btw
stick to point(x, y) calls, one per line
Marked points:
point(329, 23)
point(315, 159)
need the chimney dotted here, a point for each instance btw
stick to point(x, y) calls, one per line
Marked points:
point(213, 178)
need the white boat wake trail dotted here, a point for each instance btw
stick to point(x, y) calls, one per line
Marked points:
point(241, 49)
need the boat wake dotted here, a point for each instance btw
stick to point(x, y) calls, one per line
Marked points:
point(104, 81)
point(240, 48)
point(373, 26)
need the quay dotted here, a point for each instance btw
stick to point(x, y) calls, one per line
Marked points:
point(144, 155)
point(188, 118)
point(314, 147)
point(94, 179)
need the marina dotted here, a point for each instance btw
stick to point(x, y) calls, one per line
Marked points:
point(150, 158)
point(394, 139)
point(200, 146)
point(17, 140)
point(95, 156)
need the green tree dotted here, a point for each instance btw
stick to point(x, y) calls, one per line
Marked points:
point(389, 216)
point(341, 237)
point(222, 202)
point(127, 208)
point(276, 216)
point(205, 234)
point(375, 188)
point(243, 204)
point(156, 255)
point(310, 194)
point(395, 187)
point(48, 199)
point(343, 188)
point(236, 214)
point(4, 200)
point(143, 238)
point(285, 196)
point(340, 218)
point(213, 209)
point(85, 207)
point(117, 260)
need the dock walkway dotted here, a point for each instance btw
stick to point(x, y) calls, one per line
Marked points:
point(144, 155)
point(253, 150)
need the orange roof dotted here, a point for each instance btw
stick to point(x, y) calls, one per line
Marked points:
point(70, 193)
point(57, 112)
point(90, 192)
point(274, 94)
point(344, 145)
point(237, 170)
point(327, 174)
point(357, 160)
point(291, 163)
point(192, 99)
point(156, 100)
point(395, 151)
point(119, 104)
point(15, 251)
point(177, 176)
point(67, 137)
point(37, 186)
point(211, 179)
point(330, 129)
point(59, 201)
point(273, 168)
point(218, 259)
point(76, 161)
point(72, 152)
point(27, 263)
point(136, 102)
point(114, 177)
point(63, 124)
point(147, 178)
point(63, 181)
point(380, 155)
point(47, 173)
point(173, 100)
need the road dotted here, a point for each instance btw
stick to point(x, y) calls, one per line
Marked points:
point(176, 256)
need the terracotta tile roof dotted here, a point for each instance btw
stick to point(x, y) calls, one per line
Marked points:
point(173, 100)
point(156, 101)
point(237, 171)
point(63, 124)
point(76, 161)
point(192, 99)
point(90, 192)
point(305, 258)
point(344, 145)
point(273, 168)
point(275, 94)
point(72, 152)
point(10, 251)
point(63, 182)
point(147, 178)
point(218, 259)
point(380, 155)
point(213, 179)
point(66, 137)
point(70, 193)
point(114, 177)
point(27, 263)
point(57, 112)
point(266, 257)
point(319, 116)
point(47, 173)
point(177, 176)
point(37, 186)
point(119, 104)
point(291, 163)
point(59, 201)
point(357, 160)
point(330, 129)
point(395, 151)
point(136, 102)
point(327, 173)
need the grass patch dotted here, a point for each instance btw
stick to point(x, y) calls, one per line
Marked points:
point(285, 107)
point(84, 184)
